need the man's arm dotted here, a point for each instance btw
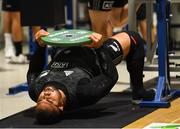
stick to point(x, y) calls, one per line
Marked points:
point(36, 66)
point(37, 60)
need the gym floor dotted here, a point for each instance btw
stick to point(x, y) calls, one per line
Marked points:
point(10, 76)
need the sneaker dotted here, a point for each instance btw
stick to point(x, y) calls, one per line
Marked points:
point(144, 95)
point(21, 59)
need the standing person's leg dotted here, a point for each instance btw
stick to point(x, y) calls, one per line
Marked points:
point(99, 12)
point(6, 17)
point(100, 21)
point(143, 28)
point(119, 13)
point(17, 32)
point(142, 23)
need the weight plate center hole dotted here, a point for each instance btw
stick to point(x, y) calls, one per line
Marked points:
point(69, 36)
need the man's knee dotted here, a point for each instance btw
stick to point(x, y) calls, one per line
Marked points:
point(135, 58)
point(114, 50)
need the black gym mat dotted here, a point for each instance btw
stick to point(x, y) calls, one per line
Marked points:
point(113, 111)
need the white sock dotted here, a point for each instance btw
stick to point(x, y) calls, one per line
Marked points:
point(9, 47)
point(8, 39)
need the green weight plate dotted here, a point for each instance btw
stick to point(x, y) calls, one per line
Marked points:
point(70, 37)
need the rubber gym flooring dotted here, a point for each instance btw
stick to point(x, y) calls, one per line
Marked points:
point(113, 111)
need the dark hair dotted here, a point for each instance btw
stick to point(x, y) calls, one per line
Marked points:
point(44, 116)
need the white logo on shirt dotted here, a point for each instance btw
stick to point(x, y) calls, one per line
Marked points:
point(67, 73)
point(107, 4)
point(67, 51)
point(115, 48)
point(60, 65)
point(44, 73)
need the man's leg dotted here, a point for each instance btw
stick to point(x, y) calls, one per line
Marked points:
point(119, 13)
point(100, 22)
point(99, 12)
point(17, 32)
point(141, 17)
point(135, 65)
point(17, 36)
point(9, 48)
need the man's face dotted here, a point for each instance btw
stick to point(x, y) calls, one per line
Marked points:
point(50, 96)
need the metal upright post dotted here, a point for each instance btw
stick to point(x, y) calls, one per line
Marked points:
point(69, 11)
point(132, 22)
point(74, 8)
point(162, 62)
point(161, 99)
point(32, 45)
point(149, 12)
point(162, 48)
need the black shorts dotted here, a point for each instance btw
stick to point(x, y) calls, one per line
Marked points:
point(106, 5)
point(11, 5)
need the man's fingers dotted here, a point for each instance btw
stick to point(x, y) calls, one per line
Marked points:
point(38, 36)
point(96, 37)
point(41, 33)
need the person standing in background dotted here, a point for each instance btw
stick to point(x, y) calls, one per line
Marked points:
point(13, 33)
point(105, 14)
